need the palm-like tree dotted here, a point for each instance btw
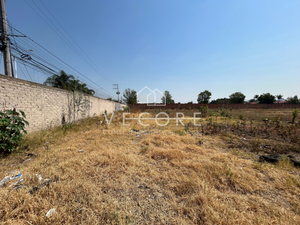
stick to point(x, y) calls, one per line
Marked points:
point(60, 81)
point(68, 82)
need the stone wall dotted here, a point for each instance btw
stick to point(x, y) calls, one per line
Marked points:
point(47, 107)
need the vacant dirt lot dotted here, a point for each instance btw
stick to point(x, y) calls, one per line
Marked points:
point(209, 174)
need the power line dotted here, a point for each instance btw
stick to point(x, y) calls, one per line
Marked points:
point(27, 71)
point(74, 41)
point(32, 41)
point(63, 37)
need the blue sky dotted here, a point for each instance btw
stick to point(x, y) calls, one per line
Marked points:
point(183, 46)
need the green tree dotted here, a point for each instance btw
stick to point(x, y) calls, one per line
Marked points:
point(204, 97)
point(279, 97)
point(293, 100)
point(110, 99)
point(237, 97)
point(76, 85)
point(68, 82)
point(266, 98)
point(295, 114)
point(61, 81)
point(167, 98)
point(220, 101)
point(130, 96)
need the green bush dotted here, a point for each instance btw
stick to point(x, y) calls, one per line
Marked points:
point(224, 112)
point(295, 114)
point(203, 110)
point(242, 116)
point(12, 128)
point(126, 108)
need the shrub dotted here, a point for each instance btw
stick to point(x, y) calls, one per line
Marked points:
point(295, 114)
point(204, 110)
point(126, 108)
point(12, 128)
point(224, 112)
point(242, 116)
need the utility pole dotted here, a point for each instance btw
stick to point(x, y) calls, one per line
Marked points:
point(5, 41)
point(118, 93)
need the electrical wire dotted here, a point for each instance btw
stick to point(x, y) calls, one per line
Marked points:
point(19, 48)
point(60, 60)
point(63, 37)
point(75, 42)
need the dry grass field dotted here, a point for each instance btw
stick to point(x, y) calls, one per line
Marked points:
point(209, 174)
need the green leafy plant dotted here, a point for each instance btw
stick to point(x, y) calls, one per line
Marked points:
point(242, 116)
point(144, 149)
point(203, 110)
point(126, 108)
point(295, 114)
point(12, 128)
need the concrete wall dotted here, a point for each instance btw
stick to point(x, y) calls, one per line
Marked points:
point(47, 107)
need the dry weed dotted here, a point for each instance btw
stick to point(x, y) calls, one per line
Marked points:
point(115, 180)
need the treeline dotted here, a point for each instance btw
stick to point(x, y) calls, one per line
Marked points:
point(130, 97)
point(239, 97)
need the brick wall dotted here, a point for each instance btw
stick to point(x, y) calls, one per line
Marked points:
point(47, 106)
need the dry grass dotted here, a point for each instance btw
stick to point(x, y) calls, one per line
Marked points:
point(154, 178)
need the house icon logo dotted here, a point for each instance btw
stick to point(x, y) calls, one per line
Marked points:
point(150, 97)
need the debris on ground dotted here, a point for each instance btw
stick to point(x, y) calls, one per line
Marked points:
point(81, 150)
point(270, 158)
point(17, 187)
point(8, 178)
point(135, 130)
point(26, 161)
point(39, 177)
point(16, 183)
point(51, 212)
point(31, 155)
point(276, 158)
point(296, 163)
point(46, 183)
point(147, 132)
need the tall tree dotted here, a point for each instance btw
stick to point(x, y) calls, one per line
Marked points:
point(237, 97)
point(279, 97)
point(59, 81)
point(68, 82)
point(293, 100)
point(266, 98)
point(204, 97)
point(167, 98)
point(130, 96)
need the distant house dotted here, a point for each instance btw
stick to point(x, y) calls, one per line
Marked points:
point(281, 101)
